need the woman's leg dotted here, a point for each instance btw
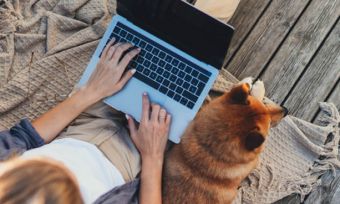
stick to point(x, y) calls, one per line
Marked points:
point(105, 127)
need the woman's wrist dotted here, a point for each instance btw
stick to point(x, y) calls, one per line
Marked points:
point(155, 161)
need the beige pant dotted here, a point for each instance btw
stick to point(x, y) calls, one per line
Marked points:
point(105, 127)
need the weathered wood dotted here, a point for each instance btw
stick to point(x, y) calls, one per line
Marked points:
point(266, 37)
point(335, 96)
point(299, 48)
point(245, 17)
point(318, 80)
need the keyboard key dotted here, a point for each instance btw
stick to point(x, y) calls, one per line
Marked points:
point(159, 79)
point(177, 97)
point(187, 78)
point(179, 82)
point(159, 71)
point(161, 63)
point(142, 53)
point(174, 70)
point(166, 74)
point(135, 41)
point(140, 59)
point(203, 78)
point(117, 30)
point(163, 89)
point(184, 101)
point(173, 78)
point(129, 37)
point(139, 68)
point(155, 59)
point(161, 55)
point(146, 72)
point(192, 89)
point(175, 62)
point(188, 69)
point(190, 105)
point(146, 80)
point(200, 88)
point(123, 33)
point(153, 75)
point(181, 66)
point(148, 56)
point(170, 93)
point(172, 86)
point(179, 90)
point(133, 65)
point(146, 64)
point(142, 44)
point(148, 47)
point(155, 51)
point(186, 85)
point(168, 59)
point(153, 67)
point(194, 81)
point(166, 82)
point(181, 74)
point(168, 67)
point(189, 96)
point(194, 73)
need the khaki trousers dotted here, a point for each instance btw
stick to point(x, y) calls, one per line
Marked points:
point(105, 128)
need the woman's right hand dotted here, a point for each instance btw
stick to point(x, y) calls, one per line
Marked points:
point(152, 135)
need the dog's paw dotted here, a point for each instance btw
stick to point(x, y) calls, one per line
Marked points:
point(248, 80)
point(258, 90)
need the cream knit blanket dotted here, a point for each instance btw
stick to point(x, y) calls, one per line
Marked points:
point(46, 44)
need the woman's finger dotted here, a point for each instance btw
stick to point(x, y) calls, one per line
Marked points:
point(111, 51)
point(146, 108)
point(132, 127)
point(119, 52)
point(128, 57)
point(108, 46)
point(127, 76)
point(155, 112)
point(162, 115)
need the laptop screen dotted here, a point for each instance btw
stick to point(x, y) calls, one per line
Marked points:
point(183, 26)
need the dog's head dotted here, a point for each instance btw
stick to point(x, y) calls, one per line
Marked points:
point(236, 124)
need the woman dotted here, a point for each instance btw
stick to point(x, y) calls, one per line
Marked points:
point(94, 159)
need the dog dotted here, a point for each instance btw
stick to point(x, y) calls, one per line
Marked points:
point(220, 147)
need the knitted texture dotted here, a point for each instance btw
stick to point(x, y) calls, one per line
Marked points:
point(45, 46)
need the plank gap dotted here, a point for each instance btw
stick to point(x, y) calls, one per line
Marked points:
point(310, 61)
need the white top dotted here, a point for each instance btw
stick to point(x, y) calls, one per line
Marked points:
point(95, 174)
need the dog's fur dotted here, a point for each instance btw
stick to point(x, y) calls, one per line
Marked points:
point(220, 147)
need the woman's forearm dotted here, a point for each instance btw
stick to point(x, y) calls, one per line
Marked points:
point(151, 181)
point(50, 124)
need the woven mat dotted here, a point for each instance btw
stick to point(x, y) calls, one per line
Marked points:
point(45, 46)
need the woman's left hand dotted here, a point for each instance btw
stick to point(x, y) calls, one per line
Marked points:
point(108, 79)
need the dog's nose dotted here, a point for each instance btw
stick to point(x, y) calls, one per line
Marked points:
point(285, 111)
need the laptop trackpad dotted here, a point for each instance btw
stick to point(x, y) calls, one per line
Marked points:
point(129, 100)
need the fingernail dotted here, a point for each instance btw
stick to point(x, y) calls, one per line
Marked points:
point(133, 71)
point(127, 116)
point(113, 39)
point(139, 49)
point(145, 93)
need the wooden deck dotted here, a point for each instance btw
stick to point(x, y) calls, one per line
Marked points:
point(293, 46)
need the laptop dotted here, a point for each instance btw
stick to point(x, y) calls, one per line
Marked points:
point(182, 51)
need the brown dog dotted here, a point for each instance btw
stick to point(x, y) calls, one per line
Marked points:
point(219, 148)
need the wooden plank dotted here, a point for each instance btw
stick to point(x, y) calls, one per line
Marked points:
point(245, 17)
point(335, 96)
point(266, 37)
point(318, 80)
point(299, 48)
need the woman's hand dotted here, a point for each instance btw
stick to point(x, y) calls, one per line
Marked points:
point(107, 78)
point(152, 134)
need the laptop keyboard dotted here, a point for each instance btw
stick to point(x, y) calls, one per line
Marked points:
point(163, 69)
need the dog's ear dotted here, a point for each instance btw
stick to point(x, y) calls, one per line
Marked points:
point(254, 140)
point(239, 94)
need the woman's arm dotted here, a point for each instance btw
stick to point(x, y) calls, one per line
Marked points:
point(106, 80)
point(150, 139)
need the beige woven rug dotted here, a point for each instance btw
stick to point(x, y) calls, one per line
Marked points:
point(46, 44)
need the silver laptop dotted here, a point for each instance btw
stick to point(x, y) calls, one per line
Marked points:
point(178, 63)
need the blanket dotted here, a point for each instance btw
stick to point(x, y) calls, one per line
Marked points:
point(45, 46)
